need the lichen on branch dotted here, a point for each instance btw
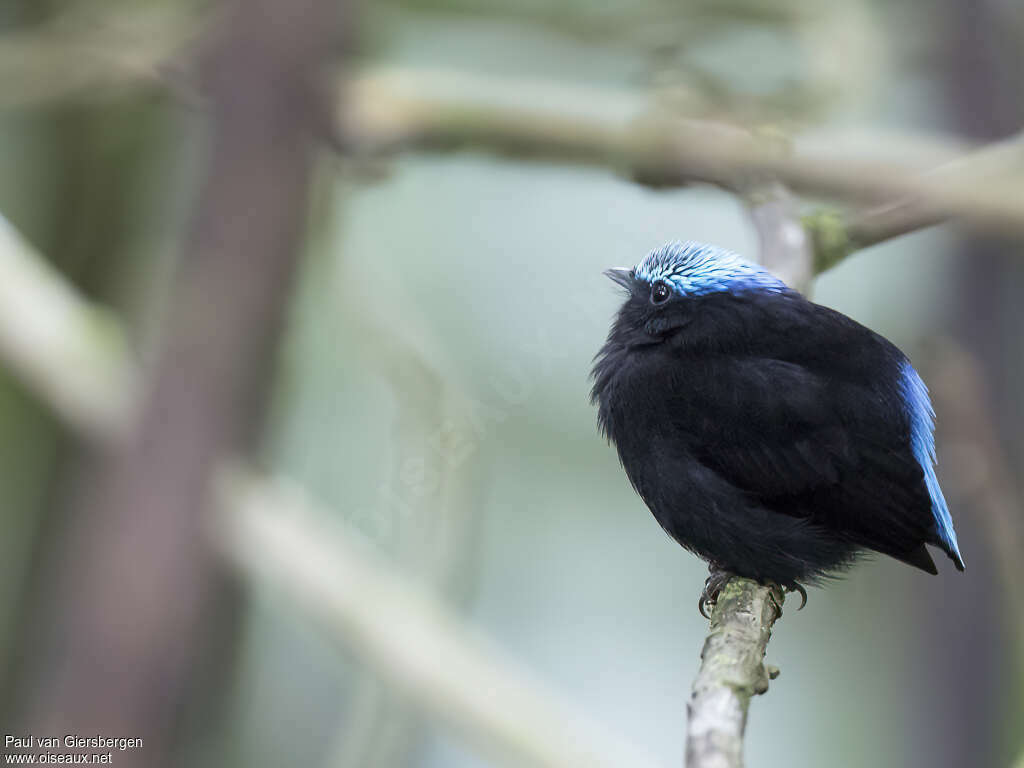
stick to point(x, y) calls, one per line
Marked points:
point(732, 671)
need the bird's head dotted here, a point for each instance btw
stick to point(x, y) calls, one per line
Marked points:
point(664, 289)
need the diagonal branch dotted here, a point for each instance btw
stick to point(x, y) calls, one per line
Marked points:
point(69, 351)
point(837, 235)
point(274, 534)
point(482, 694)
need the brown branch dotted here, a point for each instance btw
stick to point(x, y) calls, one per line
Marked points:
point(134, 584)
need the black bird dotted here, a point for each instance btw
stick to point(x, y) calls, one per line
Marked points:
point(773, 437)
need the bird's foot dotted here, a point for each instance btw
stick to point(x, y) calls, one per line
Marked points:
point(718, 578)
point(713, 585)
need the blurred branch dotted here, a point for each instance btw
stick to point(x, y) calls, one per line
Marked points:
point(388, 110)
point(71, 353)
point(984, 473)
point(836, 235)
point(783, 245)
point(273, 533)
point(732, 671)
point(672, 39)
point(132, 572)
point(483, 699)
point(447, 670)
point(84, 56)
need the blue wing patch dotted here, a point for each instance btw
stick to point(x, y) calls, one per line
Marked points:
point(922, 443)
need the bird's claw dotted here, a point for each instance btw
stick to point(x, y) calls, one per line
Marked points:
point(794, 587)
point(713, 585)
point(785, 588)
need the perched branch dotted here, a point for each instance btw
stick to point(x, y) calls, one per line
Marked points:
point(732, 671)
point(272, 533)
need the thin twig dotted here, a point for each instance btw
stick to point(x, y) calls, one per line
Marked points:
point(732, 671)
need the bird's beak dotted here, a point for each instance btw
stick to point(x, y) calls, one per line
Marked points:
point(620, 275)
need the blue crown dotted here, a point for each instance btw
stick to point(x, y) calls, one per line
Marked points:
point(695, 269)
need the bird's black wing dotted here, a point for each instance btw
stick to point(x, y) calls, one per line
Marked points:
point(809, 444)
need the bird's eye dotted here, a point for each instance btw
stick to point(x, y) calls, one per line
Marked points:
point(660, 292)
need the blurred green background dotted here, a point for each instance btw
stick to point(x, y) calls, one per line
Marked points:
point(459, 296)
